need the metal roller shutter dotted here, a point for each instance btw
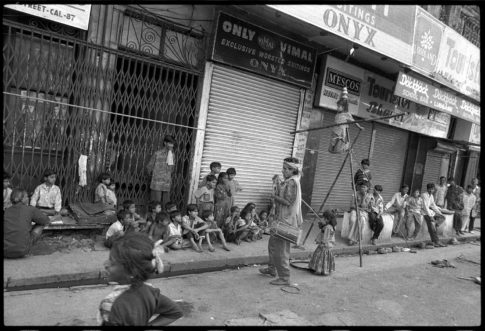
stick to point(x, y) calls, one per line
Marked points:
point(248, 128)
point(388, 159)
point(329, 164)
point(432, 169)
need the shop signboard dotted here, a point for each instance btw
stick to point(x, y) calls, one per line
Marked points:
point(475, 134)
point(73, 15)
point(385, 29)
point(428, 33)
point(426, 94)
point(458, 64)
point(245, 45)
point(336, 75)
point(373, 96)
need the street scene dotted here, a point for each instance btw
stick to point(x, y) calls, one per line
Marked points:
point(394, 289)
point(241, 165)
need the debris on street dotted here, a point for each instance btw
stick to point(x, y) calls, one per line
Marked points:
point(442, 264)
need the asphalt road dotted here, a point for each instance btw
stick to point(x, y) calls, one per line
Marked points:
point(396, 289)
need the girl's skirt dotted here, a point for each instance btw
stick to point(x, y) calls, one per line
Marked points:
point(322, 261)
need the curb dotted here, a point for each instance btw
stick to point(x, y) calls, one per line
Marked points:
point(194, 267)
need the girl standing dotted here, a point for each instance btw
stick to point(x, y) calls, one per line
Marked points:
point(222, 197)
point(133, 301)
point(322, 261)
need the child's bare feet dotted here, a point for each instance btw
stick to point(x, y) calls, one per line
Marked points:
point(238, 241)
point(226, 248)
point(211, 249)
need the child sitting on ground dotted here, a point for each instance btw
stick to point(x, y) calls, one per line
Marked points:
point(174, 233)
point(322, 261)
point(136, 219)
point(47, 196)
point(118, 228)
point(193, 227)
point(170, 207)
point(134, 302)
point(111, 194)
point(154, 209)
point(238, 229)
point(208, 217)
point(159, 231)
point(263, 221)
point(254, 230)
point(7, 191)
point(100, 195)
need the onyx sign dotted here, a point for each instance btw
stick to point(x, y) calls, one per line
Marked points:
point(250, 47)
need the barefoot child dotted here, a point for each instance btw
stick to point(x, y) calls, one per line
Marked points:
point(234, 186)
point(193, 226)
point(154, 209)
point(322, 261)
point(159, 228)
point(134, 302)
point(252, 220)
point(111, 195)
point(118, 228)
point(174, 238)
point(136, 219)
point(263, 221)
point(204, 196)
point(240, 228)
point(208, 217)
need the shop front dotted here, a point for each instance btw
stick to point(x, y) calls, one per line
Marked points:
point(383, 142)
point(253, 98)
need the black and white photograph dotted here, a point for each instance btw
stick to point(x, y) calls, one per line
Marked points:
point(241, 164)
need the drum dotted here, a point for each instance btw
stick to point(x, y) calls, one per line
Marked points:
point(288, 233)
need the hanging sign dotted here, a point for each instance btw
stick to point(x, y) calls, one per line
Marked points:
point(385, 29)
point(428, 34)
point(424, 93)
point(372, 96)
point(459, 64)
point(244, 45)
point(73, 15)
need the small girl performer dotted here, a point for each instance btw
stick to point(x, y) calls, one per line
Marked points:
point(339, 141)
point(322, 261)
point(134, 302)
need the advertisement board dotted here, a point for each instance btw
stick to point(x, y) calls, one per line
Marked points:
point(73, 15)
point(372, 96)
point(458, 64)
point(385, 29)
point(425, 93)
point(245, 45)
point(428, 33)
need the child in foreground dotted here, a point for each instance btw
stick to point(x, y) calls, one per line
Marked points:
point(133, 301)
point(322, 261)
point(208, 217)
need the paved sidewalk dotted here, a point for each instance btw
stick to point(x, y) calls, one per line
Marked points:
point(86, 267)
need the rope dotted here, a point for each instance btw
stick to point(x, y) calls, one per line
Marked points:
point(102, 111)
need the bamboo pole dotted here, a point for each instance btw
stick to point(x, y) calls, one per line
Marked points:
point(331, 188)
point(357, 121)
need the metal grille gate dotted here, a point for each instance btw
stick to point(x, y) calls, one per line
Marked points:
point(55, 91)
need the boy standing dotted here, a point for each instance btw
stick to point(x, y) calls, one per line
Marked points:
point(234, 186)
point(204, 196)
point(440, 192)
point(215, 170)
point(454, 202)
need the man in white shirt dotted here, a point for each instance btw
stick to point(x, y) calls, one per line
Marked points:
point(397, 207)
point(469, 200)
point(432, 214)
point(440, 192)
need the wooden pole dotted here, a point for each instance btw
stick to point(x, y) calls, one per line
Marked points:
point(356, 206)
point(331, 188)
point(358, 121)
